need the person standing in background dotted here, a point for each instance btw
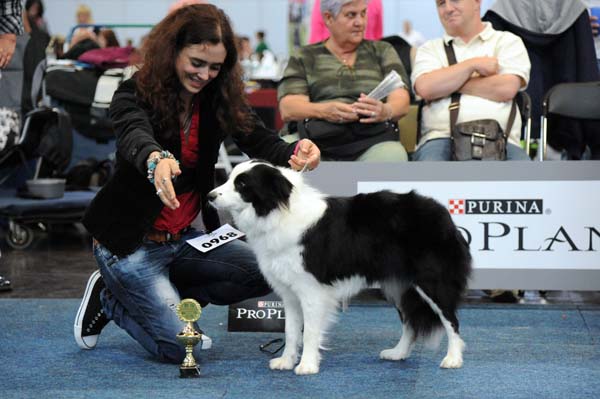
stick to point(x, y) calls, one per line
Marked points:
point(183, 3)
point(35, 14)
point(244, 48)
point(373, 30)
point(261, 45)
point(594, 6)
point(83, 15)
point(107, 38)
point(413, 37)
point(11, 25)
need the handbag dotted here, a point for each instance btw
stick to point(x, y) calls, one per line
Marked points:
point(481, 139)
point(346, 141)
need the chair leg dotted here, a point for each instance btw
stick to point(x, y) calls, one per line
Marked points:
point(543, 139)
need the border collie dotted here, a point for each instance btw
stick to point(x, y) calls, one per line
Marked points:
point(316, 251)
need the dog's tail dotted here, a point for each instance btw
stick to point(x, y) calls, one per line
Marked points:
point(418, 314)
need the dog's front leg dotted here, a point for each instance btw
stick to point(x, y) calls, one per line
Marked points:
point(293, 330)
point(316, 308)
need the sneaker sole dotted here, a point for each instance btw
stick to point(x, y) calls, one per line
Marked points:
point(77, 327)
point(205, 344)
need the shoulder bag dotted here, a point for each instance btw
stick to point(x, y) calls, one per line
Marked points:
point(481, 139)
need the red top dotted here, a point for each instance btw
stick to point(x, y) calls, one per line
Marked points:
point(174, 221)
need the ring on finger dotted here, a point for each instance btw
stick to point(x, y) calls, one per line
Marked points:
point(372, 114)
point(163, 180)
point(159, 191)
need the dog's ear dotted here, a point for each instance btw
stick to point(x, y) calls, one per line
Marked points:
point(265, 187)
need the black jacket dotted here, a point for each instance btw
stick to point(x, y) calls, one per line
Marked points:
point(558, 58)
point(125, 209)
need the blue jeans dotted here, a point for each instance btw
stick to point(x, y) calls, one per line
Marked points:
point(141, 298)
point(441, 150)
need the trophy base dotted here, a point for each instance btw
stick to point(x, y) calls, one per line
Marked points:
point(189, 372)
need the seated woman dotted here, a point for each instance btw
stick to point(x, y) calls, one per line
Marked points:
point(328, 81)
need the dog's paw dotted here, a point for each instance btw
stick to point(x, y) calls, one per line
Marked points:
point(393, 354)
point(452, 362)
point(282, 363)
point(305, 368)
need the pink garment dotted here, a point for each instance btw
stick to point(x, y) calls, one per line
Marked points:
point(183, 3)
point(108, 57)
point(374, 30)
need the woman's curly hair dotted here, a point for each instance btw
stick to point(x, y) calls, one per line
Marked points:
point(158, 84)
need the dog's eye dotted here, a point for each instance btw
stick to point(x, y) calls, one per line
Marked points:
point(240, 184)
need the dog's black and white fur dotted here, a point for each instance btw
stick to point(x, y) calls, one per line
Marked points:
point(316, 251)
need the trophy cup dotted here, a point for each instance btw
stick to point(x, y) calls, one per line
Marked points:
point(189, 311)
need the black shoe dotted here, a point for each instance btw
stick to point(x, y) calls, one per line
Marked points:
point(4, 284)
point(90, 319)
point(505, 297)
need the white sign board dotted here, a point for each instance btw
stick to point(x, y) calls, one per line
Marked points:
point(518, 224)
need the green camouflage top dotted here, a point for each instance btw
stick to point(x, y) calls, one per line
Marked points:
point(317, 73)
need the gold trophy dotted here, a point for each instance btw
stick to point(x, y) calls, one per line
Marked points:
point(189, 311)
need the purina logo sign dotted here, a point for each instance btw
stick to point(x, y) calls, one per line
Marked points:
point(519, 224)
point(257, 314)
point(270, 304)
point(495, 206)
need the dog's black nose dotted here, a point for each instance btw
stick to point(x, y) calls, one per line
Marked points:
point(211, 196)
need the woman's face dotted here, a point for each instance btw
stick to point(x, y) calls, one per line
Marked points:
point(349, 25)
point(34, 10)
point(84, 18)
point(198, 64)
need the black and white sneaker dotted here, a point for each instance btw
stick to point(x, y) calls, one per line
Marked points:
point(90, 319)
point(4, 284)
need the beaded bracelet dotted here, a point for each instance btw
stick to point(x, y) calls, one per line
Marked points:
point(152, 162)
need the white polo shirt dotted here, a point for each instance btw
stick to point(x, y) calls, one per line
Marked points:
point(512, 58)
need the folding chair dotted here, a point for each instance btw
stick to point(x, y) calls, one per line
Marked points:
point(571, 100)
point(227, 161)
point(524, 103)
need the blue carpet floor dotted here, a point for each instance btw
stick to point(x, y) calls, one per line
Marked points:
point(512, 352)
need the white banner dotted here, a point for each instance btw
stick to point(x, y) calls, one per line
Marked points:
point(519, 224)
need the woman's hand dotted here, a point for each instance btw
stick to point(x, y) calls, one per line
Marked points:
point(372, 110)
point(8, 42)
point(308, 154)
point(338, 112)
point(82, 34)
point(166, 169)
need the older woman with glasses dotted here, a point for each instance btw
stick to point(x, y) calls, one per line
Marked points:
point(328, 82)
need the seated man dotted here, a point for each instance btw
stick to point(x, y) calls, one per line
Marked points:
point(491, 67)
point(328, 82)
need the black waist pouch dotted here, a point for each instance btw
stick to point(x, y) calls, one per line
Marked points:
point(346, 141)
